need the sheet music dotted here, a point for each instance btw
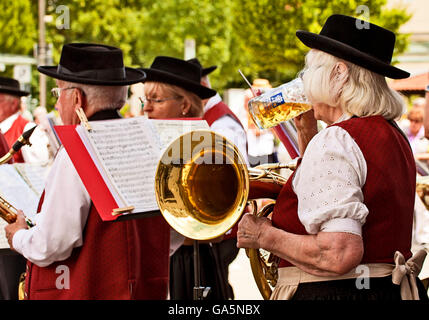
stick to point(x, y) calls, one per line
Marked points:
point(34, 175)
point(127, 158)
point(16, 191)
point(169, 130)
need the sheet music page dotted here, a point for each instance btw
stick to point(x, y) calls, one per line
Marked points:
point(34, 175)
point(15, 190)
point(169, 130)
point(126, 155)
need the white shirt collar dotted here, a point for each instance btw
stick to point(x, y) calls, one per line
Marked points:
point(344, 117)
point(212, 102)
point(7, 123)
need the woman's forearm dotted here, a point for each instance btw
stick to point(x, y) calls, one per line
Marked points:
point(324, 254)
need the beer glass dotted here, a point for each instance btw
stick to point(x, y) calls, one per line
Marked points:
point(279, 104)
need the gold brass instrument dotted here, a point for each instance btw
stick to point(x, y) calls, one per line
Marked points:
point(422, 189)
point(203, 185)
point(23, 140)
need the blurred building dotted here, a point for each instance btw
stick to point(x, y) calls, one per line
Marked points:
point(416, 59)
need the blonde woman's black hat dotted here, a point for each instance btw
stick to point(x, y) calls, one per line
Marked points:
point(180, 73)
point(204, 71)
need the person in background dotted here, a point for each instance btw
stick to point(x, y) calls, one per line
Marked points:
point(341, 208)
point(123, 260)
point(173, 89)
point(223, 121)
point(261, 142)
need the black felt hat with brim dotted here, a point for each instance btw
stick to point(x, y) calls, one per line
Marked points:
point(362, 43)
point(180, 73)
point(11, 86)
point(204, 71)
point(94, 64)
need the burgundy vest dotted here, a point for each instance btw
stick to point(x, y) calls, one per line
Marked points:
point(4, 147)
point(14, 133)
point(389, 191)
point(118, 260)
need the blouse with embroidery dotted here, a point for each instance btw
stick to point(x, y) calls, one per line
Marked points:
point(329, 183)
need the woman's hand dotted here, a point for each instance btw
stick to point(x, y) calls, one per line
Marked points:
point(251, 230)
point(306, 125)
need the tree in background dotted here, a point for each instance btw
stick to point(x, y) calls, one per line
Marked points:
point(256, 36)
point(269, 45)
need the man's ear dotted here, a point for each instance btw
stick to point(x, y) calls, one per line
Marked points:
point(78, 99)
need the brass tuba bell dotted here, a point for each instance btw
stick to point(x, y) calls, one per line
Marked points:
point(203, 185)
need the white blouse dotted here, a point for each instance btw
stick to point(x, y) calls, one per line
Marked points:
point(329, 183)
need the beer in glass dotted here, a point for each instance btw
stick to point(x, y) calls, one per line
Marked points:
point(279, 104)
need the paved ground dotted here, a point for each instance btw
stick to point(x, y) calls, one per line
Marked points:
point(241, 278)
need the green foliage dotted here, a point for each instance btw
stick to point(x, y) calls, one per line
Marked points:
point(18, 27)
point(256, 36)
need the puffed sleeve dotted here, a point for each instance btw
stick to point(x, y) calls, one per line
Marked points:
point(329, 184)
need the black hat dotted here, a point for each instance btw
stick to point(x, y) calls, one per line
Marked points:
point(94, 64)
point(204, 71)
point(11, 86)
point(356, 41)
point(179, 73)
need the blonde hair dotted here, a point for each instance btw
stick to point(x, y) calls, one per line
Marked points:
point(196, 109)
point(357, 91)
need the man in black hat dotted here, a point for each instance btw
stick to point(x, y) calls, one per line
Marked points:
point(121, 260)
point(342, 224)
point(13, 124)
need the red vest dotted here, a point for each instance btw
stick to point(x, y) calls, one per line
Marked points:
point(4, 147)
point(14, 133)
point(389, 191)
point(217, 111)
point(118, 260)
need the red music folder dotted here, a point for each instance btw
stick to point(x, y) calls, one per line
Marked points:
point(88, 172)
point(105, 195)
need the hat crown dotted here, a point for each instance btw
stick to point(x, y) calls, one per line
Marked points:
point(78, 57)
point(178, 67)
point(9, 82)
point(361, 35)
point(11, 86)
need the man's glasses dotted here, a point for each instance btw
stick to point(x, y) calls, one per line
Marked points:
point(144, 99)
point(56, 92)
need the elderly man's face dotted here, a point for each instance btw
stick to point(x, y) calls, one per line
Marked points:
point(9, 105)
point(66, 103)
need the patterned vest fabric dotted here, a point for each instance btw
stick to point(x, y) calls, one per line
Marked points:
point(389, 191)
point(118, 260)
point(14, 133)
